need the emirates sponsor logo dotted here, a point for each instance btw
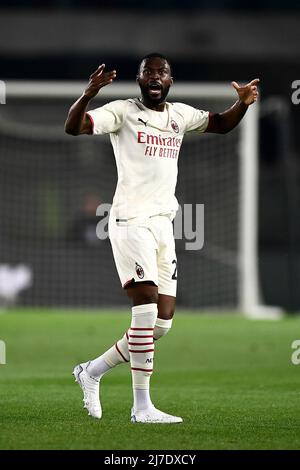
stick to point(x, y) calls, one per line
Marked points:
point(151, 139)
point(158, 146)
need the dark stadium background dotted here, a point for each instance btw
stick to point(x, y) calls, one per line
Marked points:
point(231, 373)
point(209, 41)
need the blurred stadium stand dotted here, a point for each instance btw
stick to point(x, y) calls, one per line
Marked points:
point(166, 4)
point(207, 41)
point(51, 184)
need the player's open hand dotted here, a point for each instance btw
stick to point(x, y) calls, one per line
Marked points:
point(248, 94)
point(99, 79)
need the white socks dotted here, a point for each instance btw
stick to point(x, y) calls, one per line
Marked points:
point(162, 327)
point(118, 353)
point(102, 364)
point(136, 347)
point(141, 344)
point(141, 353)
point(141, 399)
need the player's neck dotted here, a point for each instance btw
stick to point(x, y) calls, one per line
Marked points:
point(154, 106)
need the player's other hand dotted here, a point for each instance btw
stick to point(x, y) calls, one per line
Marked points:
point(99, 79)
point(248, 94)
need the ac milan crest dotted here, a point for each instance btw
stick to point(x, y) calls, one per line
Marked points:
point(175, 126)
point(139, 270)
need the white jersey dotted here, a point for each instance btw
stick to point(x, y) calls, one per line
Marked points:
point(146, 145)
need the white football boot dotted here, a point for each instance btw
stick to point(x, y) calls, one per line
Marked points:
point(152, 415)
point(90, 388)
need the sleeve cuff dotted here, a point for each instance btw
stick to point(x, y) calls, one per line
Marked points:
point(210, 115)
point(92, 121)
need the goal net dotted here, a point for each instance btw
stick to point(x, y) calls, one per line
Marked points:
point(51, 185)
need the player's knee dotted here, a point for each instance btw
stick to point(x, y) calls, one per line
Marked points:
point(166, 306)
point(168, 313)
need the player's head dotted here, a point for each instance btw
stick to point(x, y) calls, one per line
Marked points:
point(154, 77)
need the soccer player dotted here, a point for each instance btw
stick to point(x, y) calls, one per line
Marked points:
point(146, 134)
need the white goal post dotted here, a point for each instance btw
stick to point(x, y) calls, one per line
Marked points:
point(249, 302)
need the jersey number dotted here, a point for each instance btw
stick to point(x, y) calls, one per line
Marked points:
point(174, 276)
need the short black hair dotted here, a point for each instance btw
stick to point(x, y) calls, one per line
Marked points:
point(154, 54)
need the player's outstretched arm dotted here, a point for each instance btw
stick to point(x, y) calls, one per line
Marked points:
point(77, 121)
point(225, 122)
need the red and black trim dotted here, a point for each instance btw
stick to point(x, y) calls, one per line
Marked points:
point(210, 121)
point(92, 121)
point(142, 329)
point(127, 283)
point(141, 336)
point(133, 281)
point(142, 370)
point(124, 358)
point(143, 351)
point(140, 344)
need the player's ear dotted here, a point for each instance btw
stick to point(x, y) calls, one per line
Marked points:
point(172, 80)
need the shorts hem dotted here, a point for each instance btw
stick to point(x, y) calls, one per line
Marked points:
point(166, 292)
point(134, 281)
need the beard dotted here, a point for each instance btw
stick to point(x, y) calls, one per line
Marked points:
point(160, 98)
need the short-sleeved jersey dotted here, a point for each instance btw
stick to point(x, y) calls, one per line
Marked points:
point(146, 145)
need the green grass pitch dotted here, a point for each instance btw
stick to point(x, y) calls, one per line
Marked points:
point(231, 379)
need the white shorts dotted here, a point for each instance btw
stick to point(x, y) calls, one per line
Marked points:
point(144, 250)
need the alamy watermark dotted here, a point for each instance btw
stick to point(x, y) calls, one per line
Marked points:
point(295, 358)
point(2, 92)
point(296, 94)
point(188, 224)
point(2, 352)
